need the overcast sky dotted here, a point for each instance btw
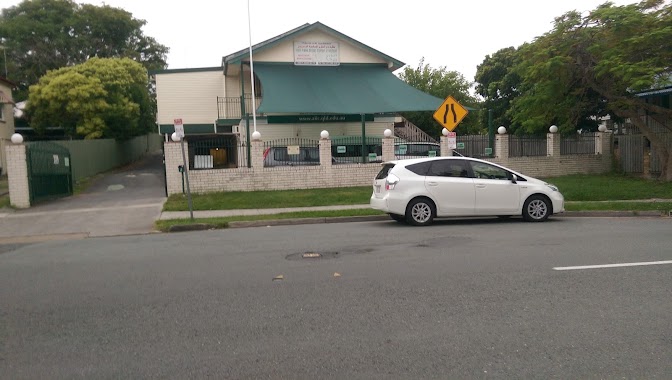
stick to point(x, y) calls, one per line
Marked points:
point(454, 34)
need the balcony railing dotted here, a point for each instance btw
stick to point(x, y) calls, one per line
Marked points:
point(229, 107)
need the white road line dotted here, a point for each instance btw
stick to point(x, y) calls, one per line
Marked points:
point(614, 265)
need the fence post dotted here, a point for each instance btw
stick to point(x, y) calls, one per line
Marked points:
point(445, 150)
point(552, 144)
point(388, 149)
point(502, 148)
point(325, 150)
point(172, 155)
point(257, 153)
point(603, 143)
point(17, 175)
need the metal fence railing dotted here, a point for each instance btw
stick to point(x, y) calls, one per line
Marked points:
point(474, 146)
point(578, 144)
point(216, 152)
point(527, 146)
point(291, 152)
point(228, 107)
point(348, 150)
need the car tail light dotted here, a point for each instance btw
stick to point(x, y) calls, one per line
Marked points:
point(391, 182)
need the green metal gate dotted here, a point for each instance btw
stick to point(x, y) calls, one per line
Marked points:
point(49, 171)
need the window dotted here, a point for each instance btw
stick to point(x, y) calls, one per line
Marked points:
point(449, 168)
point(487, 171)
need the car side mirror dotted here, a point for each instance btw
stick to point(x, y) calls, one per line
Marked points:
point(514, 178)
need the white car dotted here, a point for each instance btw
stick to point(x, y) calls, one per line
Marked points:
point(418, 190)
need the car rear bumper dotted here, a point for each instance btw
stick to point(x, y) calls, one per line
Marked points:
point(388, 204)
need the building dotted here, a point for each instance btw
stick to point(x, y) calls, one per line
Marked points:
point(306, 80)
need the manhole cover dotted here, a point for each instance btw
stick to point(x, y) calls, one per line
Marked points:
point(311, 255)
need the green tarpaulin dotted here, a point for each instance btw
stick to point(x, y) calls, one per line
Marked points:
point(344, 89)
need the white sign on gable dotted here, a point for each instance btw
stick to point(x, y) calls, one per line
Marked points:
point(321, 53)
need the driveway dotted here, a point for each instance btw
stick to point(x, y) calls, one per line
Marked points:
point(125, 201)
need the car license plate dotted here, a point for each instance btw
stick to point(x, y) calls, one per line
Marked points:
point(377, 188)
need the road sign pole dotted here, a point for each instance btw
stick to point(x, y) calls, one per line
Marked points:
point(179, 133)
point(186, 176)
point(491, 133)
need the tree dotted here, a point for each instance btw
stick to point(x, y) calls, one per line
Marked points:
point(43, 35)
point(101, 98)
point(498, 83)
point(596, 63)
point(440, 83)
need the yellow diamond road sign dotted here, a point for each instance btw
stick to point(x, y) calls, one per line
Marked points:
point(450, 113)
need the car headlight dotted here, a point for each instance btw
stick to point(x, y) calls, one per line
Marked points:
point(552, 187)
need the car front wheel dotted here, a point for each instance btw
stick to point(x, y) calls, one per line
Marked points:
point(420, 212)
point(536, 209)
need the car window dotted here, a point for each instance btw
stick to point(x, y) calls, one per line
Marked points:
point(382, 174)
point(487, 171)
point(449, 168)
point(420, 169)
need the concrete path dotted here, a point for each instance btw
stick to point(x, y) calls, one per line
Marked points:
point(126, 201)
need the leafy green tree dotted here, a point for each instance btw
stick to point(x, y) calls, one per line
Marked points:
point(498, 83)
point(43, 35)
point(101, 98)
point(440, 82)
point(596, 63)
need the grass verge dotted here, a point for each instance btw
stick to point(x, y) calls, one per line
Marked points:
point(606, 187)
point(165, 225)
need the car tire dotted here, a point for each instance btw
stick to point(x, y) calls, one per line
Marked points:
point(536, 208)
point(398, 218)
point(420, 212)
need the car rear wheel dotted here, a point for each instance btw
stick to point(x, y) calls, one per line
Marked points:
point(536, 209)
point(398, 218)
point(420, 212)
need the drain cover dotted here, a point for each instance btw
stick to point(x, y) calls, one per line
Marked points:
point(311, 255)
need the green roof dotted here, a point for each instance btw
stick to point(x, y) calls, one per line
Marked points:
point(344, 89)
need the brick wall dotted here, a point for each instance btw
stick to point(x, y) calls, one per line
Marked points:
point(327, 176)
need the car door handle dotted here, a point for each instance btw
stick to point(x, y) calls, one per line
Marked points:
point(480, 186)
point(432, 184)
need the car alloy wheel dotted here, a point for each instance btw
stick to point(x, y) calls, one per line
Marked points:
point(420, 212)
point(536, 209)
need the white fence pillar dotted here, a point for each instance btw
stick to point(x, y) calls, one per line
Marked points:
point(325, 152)
point(257, 152)
point(445, 149)
point(17, 175)
point(552, 144)
point(173, 161)
point(388, 149)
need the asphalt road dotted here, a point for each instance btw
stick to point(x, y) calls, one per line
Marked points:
point(459, 299)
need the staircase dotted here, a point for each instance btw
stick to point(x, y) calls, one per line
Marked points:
point(409, 132)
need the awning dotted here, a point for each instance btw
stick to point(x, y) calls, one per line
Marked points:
point(344, 89)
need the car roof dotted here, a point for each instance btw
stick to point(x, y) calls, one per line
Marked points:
point(411, 161)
